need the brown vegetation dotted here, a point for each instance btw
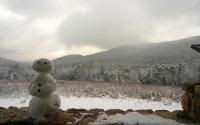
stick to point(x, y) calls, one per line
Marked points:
point(98, 89)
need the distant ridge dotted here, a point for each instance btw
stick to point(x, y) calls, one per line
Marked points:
point(7, 62)
point(68, 59)
point(169, 50)
point(177, 50)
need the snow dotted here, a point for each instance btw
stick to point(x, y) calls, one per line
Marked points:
point(104, 103)
point(134, 118)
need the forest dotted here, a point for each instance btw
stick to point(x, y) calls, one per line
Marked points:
point(163, 74)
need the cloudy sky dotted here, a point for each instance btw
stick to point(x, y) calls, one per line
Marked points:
point(32, 29)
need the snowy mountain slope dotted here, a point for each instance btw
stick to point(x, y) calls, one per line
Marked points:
point(178, 49)
point(68, 59)
point(12, 63)
point(169, 49)
point(7, 62)
point(166, 63)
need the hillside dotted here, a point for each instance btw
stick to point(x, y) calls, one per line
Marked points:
point(179, 49)
point(166, 63)
point(170, 62)
point(7, 62)
point(67, 59)
point(169, 49)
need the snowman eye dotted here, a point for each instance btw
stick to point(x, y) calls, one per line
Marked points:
point(38, 62)
point(45, 63)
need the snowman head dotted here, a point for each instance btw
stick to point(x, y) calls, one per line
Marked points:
point(42, 65)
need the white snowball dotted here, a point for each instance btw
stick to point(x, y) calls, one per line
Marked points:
point(42, 85)
point(44, 106)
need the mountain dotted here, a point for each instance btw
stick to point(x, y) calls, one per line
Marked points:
point(170, 51)
point(165, 63)
point(7, 62)
point(68, 59)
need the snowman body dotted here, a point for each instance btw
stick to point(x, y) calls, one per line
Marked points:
point(44, 102)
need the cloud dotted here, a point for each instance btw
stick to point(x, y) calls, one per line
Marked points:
point(25, 41)
point(40, 8)
point(166, 10)
point(111, 23)
point(105, 24)
point(33, 28)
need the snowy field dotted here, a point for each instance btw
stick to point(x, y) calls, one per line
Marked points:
point(133, 118)
point(89, 89)
point(104, 103)
point(88, 95)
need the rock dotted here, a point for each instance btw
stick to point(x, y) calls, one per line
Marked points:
point(87, 118)
point(2, 109)
point(183, 115)
point(161, 111)
point(86, 121)
point(82, 110)
point(129, 110)
point(23, 109)
point(196, 107)
point(12, 108)
point(191, 101)
point(20, 116)
point(196, 102)
point(3, 119)
point(61, 118)
point(185, 103)
point(72, 110)
point(76, 110)
point(11, 114)
point(197, 89)
point(177, 111)
point(145, 112)
point(114, 111)
point(96, 110)
point(188, 87)
point(25, 120)
point(166, 114)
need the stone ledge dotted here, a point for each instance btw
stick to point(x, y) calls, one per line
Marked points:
point(19, 116)
point(191, 100)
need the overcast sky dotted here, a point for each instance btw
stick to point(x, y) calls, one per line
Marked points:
point(31, 29)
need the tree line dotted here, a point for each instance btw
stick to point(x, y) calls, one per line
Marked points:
point(164, 74)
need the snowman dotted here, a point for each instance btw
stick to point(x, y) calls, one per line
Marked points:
point(43, 103)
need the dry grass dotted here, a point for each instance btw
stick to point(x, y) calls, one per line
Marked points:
point(98, 89)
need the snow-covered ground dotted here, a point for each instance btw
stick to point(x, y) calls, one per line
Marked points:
point(133, 118)
point(104, 103)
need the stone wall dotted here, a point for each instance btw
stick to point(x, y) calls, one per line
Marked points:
point(19, 116)
point(191, 101)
